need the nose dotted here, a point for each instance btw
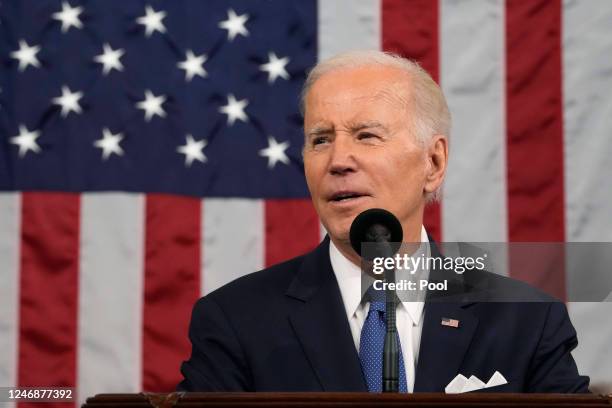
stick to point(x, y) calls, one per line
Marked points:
point(342, 159)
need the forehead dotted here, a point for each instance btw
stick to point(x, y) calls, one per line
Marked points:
point(356, 87)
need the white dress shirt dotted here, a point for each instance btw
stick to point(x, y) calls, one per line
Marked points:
point(409, 314)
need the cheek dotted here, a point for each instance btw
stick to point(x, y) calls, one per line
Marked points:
point(402, 172)
point(312, 173)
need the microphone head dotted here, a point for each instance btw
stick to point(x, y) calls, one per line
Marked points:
point(376, 225)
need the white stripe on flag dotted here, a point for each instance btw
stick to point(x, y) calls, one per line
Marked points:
point(587, 79)
point(346, 25)
point(110, 293)
point(472, 77)
point(233, 240)
point(10, 234)
point(587, 74)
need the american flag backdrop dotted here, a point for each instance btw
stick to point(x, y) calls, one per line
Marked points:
point(150, 151)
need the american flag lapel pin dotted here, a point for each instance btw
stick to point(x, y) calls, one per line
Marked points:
point(449, 322)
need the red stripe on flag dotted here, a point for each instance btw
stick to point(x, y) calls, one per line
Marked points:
point(172, 285)
point(432, 220)
point(535, 130)
point(410, 29)
point(48, 291)
point(292, 229)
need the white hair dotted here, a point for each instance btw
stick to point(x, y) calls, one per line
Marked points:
point(430, 114)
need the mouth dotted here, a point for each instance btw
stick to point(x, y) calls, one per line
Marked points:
point(346, 196)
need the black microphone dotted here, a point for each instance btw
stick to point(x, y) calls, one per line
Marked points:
point(384, 229)
point(376, 226)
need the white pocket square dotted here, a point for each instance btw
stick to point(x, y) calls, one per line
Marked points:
point(495, 380)
point(461, 384)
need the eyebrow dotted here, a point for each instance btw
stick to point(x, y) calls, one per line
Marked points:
point(368, 125)
point(320, 130)
point(326, 129)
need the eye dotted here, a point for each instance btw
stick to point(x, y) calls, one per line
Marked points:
point(319, 140)
point(366, 135)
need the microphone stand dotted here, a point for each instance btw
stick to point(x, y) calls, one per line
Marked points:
point(390, 375)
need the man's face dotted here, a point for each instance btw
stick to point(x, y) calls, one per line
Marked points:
point(360, 151)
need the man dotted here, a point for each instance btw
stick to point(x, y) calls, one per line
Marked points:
point(376, 129)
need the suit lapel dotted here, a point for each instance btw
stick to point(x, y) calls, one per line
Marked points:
point(321, 326)
point(443, 347)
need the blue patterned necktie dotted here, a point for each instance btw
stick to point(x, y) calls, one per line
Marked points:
point(371, 346)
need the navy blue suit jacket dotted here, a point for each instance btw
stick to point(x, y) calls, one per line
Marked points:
point(285, 329)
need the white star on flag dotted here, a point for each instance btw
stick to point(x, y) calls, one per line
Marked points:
point(275, 152)
point(69, 16)
point(275, 67)
point(192, 150)
point(26, 55)
point(69, 101)
point(152, 20)
point(109, 143)
point(234, 24)
point(110, 59)
point(152, 105)
point(234, 109)
point(26, 141)
point(193, 65)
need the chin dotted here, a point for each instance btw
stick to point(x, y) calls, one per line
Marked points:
point(339, 223)
point(340, 231)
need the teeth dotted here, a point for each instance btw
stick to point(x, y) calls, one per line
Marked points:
point(345, 197)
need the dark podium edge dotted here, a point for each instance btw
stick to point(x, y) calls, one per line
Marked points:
point(334, 399)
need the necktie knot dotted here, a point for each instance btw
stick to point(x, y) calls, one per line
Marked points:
point(377, 299)
point(375, 295)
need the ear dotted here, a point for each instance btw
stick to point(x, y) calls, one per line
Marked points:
point(437, 160)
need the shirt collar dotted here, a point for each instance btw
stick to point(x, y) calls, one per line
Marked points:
point(348, 276)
